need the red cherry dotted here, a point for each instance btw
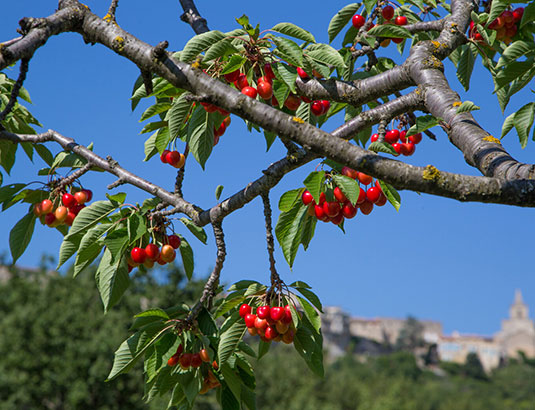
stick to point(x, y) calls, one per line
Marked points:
point(362, 196)
point(351, 173)
point(152, 251)
point(364, 179)
point(68, 200)
point(46, 206)
point(167, 254)
point(401, 20)
point(250, 320)
point(260, 324)
point(50, 218)
point(408, 148)
point(89, 194)
point(70, 218)
point(288, 316)
point(403, 136)
point(339, 195)
point(302, 73)
point(378, 185)
point(271, 333)
point(366, 207)
point(265, 90)
point(374, 137)
point(358, 21)
point(372, 194)
point(76, 209)
point(179, 349)
point(277, 313)
point(241, 82)
point(173, 157)
point(138, 254)
point(326, 105)
point(231, 77)
point(61, 213)
point(322, 198)
point(392, 136)
point(307, 197)
point(268, 71)
point(209, 107)
point(81, 197)
point(381, 201)
point(348, 210)
point(205, 357)
point(263, 312)
point(220, 131)
point(185, 360)
point(245, 309)
point(265, 79)
point(292, 102)
point(387, 12)
point(174, 241)
point(397, 40)
point(317, 108)
point(337, 220)
point(282, 327)
point(397, 147)
point(511, 31)
point(517, 14)
point(173, 360)
point(196, 360)
point(249, 92)
point(508, 16)
point(320, 213)
point(416, 138)
point(163, 156)
point(331, 209)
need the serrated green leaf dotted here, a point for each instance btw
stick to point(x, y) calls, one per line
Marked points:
point(21, 235)
point(289, 231)
point(528, 16)
point(232, 380)
point(465, 66)
point(280, 92)
point(514, 51)
point(389, 31)
point(155, 109)
point(198, 231)
point(150, 147)
point(369, 4)
point(349, 187)
point(116, 242)
point(199, 43)
point(288, 50)
point(311, 297)
point(523, 122)
point(313, 182)
point(112, 279)
point(290, 29)
point(325, 54)
point(187, 257)
point(382, 147)
point(311, 313)
point(154, 312)
point(263, 348)
point(200, 135)
point(8, 151)
point(68, 247)
point(176, 116)
point(467, 106)
point(90, 216)
point(286, 73)
point(391, 194)
point(340, 19)
point(508, 125)
point(513, 71)
point(220, 49)
point(235, 63)
point(235, 329)
point(289, 198)
point(90, 247)
point(44, 153)
point(423, 122)
point(496, 8)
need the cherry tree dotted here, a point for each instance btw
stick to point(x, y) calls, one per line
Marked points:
point(286, 85)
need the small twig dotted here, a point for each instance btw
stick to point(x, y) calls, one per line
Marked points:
point(111, 11)
point(192, 17)
point(159, 49)
point(16, 88)
point(180, 175)
point(116, 183)
point(276, 282)
point(147, 81)
point(10, 42)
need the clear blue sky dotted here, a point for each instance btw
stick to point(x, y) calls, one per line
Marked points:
point(436, 258)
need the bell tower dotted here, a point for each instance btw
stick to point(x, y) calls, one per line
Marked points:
point(518, 310)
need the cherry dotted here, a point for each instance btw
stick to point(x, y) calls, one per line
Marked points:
point(408, 148)
point(351, 173)
point(77, 208)
point(323, 198)
point(288, 317)
point(185, 360)
point(319, 212)
point(307, 197)
point(517, 14)
point(366, 207)
point(274, 102)
point(416, 138)
point(317, 108)
point(231, 77)
point(288, 337)
point(250, 320)
point(37, 211)
point(173, 360)
point(385, 43)
point(149, 263)
point(337, 219)
point(46, 206)
point(374, 137)
point(397, 40)
point(69, 219)
point(241, 82)
point(209, 107)
point(326, 105)
point(263, 312)
point(372, 194)
point(172, 157)
point(302, 73)
point(508, 16)
point(499, 22)
point(205, 357)
point(196, 361)
point(268, 71)
point(364, 179)
point(271, 333)
point(138, 254)
point(179, 349)
point(381, 201)
point(89, 194)
point(174, 241)
point(61, 213)
point(245, 310)
point(282, 327)
point(401, 20)
point(226, 121)
point(50, 219)
point(167, 254)
point(152, 251)
point(260, 324)
point(358, 21)
point(339, 195)
point(403, 136)
point(220, 131)
point(277, 313)
point(332, 209)
point(392, 136)
point(397, 148)
point(265, 90)
point(81, 197)
point(348, 210)
point(163, 156)
point(292, 102)
point(511, 31)
point(362, 196)
point(387, 12)
point(68, 200)
point(249, 92)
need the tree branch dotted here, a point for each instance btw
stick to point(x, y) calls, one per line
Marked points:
point(16, 88)
point(192, 17)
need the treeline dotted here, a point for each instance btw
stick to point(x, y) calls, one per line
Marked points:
point(56, 349)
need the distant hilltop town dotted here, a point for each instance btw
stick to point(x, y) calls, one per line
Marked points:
point(343, 333)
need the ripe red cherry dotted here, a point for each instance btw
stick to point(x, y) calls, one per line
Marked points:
point(196, 360)
point(331, 209)
point(374, 137)
point(378, 185)
point(397, 40)
point(77, 208)
point(138, 254)
point(185, 360)
point(307, 197)
point(50, 218)
point(46, 206)
point(173, 158)
point(260, 324)
point(174, 241)
point(249, 92)
point(271, 333)
point(250, 320)
point(268, 71)
point(387, 12)
point(364, 179)
point(351, 173)
point(358, 21)
point(302, 73)
point(517, 14)
point(70, 218)
point(282, 327)
point(381, 201)
point(81, 197)
point(403, 136)
point(231, 77)
point(277, 313)
point(339, 195)
point(372, 194)
point(337, 219)
point(508, 16)
point(348, 210)
point(362, 196)
point(265, 90)
point(366, 207)
point(205, 356)
point(408, 148)
point(317, 108)
point(401, 20)
point(288, 316)
point(209, 107)
point(292, 102)
point(241, 82)
point(416, 138)
point(167, 254)
point(397, 147)
point(322, 198)
point(319, 212)
point(245, 309)
point(68, 200)
point(163, 156)
point(89, 194)
point(61, 213)
point(326, 105)
point(263, 312)
point(152, 251)
point(392, 136)
point(173, 360)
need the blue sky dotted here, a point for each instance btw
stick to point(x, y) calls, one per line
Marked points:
point(435, 259)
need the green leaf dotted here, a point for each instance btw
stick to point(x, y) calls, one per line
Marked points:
point(155, 109)
point(68, 247)
point(311, 313)
point(280, 91)
point(263, 348)
point(136, 226)
point(467, 106)
point(391, 194)
point(218, 192)
point(497, 7)
point(90, 247)
point(220, 49)
point(523, 122)
point(514, 51)
point(8, 192)
point(389, 31)
point(313, 183)
point(286, 73)
point(157, 312)
point(232, 380)
point(340, 19)
point(150, 147)
point(529, 15)
point(8, 150)
point(369, 4)
point(199, 43)
point(200, 135)
point(288, 199)
point(289, 231)
point(90, 216)
point(116, 242)
point(424, 122)
point(235, 63)
point(44, 153)
point(312, 297)
point(349, 187)
point(21, 235)
point(513, 71)
point(508, 125)
point(465, 66)
point(176, 116)
point(187, 257)
point(382, 147)
point(235, 329)
point(290, 29)
point(325, 54)
point(112, 279)
point(198, 231)
point(288, 50)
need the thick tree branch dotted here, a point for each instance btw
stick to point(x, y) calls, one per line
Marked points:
point(192, 17)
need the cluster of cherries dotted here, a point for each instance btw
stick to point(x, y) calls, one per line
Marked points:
point(218, 132)
point(335, 211)
point(151, 253)
point(173, 158)
point(406, 145)
point(71, 205)
point(388, 13)
point(194, 361)
point(270, 323)
point(506, 26)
